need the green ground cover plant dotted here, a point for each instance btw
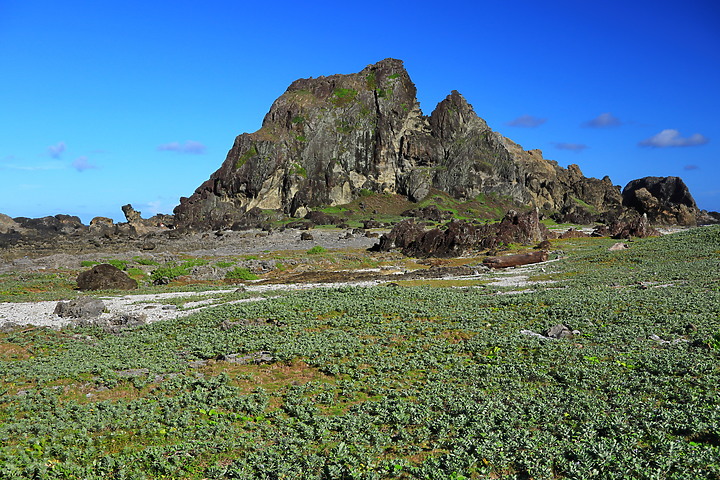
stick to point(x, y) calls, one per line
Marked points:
point(393, 382)
point(241, 273)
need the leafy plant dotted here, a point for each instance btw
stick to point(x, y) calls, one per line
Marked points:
point(317, 249)
point(241, 273)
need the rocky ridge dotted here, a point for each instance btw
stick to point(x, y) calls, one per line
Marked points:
point(327, 139)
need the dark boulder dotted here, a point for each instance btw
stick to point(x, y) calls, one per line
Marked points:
point(665, 200)
point(639, 228)
point(321, 218)
point(105, 277)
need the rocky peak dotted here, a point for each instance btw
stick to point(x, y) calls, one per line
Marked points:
point(327, 139)
point(454, 115)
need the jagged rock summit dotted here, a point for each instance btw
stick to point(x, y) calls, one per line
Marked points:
point(327, 140)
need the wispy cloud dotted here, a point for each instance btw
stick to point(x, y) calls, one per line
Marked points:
point(190, 146)
point(34, 168)
point(82, 163)
point(527, 121)
point(691, 167)
point(55, 151)
point(604, 120)
point(575, 147)
point(672, 138)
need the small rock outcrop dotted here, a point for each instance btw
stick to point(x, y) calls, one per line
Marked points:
point(459, 237)
point(105, 277)
point(665, 200)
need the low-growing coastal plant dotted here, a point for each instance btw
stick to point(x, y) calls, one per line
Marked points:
point(240, 273)
point(391, 382)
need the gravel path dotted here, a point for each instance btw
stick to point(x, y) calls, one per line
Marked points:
point(41, 314)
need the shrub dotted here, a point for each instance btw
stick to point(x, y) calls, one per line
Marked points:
point(120, 264)
point(241, 273)
point(144, 261)
point(170, 271)
point(316, 250)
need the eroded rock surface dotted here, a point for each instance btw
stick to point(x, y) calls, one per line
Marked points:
point(327, 139)
point(665, 200)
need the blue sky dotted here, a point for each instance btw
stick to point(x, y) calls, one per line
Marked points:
point(106, 103)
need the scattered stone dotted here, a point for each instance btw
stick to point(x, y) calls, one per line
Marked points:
point(8, 327)
point(115, 324)
point(105, 277)
point(659, 340)
point(553, 333)
point(560, 331)
point(306, 236)
point(132, 372)
point(573, 233)
point(619, 246)
point(161, 281)
point(544, 245)
point(79, 308)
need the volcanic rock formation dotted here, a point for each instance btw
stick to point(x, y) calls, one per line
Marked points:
point(665, 200)
point(325, 140)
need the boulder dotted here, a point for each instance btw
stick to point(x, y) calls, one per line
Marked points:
point(8, 225)
point(665, 200)
point(79, 308)
point(105, 277)
point(639, 228)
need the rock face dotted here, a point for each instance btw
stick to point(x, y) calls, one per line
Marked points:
point(665, 200)
point(327, 139)
point(459, 237)
point(105, 277)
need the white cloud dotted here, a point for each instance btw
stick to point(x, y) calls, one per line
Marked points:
point(603, 120)
point(527, 121)
point(81, 164)
point(34, 168)
point(190, 146)
point(575, 147)
point(672, 138)
point(55, 151)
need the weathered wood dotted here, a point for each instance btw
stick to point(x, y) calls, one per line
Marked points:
point(516, 260)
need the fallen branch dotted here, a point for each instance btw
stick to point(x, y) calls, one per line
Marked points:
point(516, 260)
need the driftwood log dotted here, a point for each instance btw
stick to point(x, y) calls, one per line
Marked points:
point(516, 260)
